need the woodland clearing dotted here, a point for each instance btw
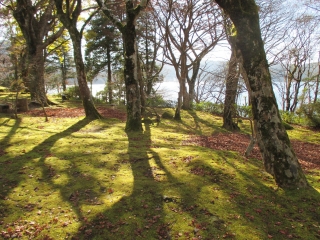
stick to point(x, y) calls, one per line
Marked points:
point(73, 178)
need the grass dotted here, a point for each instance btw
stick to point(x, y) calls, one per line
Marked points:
point(71, 178)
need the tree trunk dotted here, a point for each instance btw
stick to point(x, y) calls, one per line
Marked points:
point(71, 25)
point(192, 80)
point(231, 92)
point(128, 32)
point(64, 73)
point(89, 108)
point(183, 81)
point(177, 114)
point(109, 75)
point(36, 75)
point(182, 95)
point(141, 85)
point(278, 155)
point(317, 83)
point(131, 73)
point(35, 29)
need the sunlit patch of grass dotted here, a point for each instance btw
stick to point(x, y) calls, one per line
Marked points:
point(303, 134)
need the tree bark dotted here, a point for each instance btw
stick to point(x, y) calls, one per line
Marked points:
point(131, 72)
point(110, 95)
point(63, 67)
point(71, 25)
point(128, 32)
point(278, 156)
point(35, 30)
point(193, 79)
point(85, 94)
point(231, 91)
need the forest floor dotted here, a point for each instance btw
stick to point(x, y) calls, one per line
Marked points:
point(307, 152)
point(72, 178)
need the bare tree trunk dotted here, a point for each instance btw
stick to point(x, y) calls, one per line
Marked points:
point(288, 92)
point(109, 76)
point(63, 68)
point(231, 92)
point(131, 73)
point(278, 156)
point(71, 25)
point(177, 114)
point(89, 108)
point(193, 79)
point(128, 31)
point(141, 84)
point(317, 82)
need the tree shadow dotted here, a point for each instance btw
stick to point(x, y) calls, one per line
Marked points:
point(197, 120)
point(145, 212)
point(139, 214)
point(19, 167)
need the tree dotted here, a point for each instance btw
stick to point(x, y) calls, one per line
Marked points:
point(149, 46)
point(278, 156)
point(68, 14)
point(128, 32)
point(210, 84)
point(60, 58)
point(275, 24)
point(36, 21)
point(232, 80)
point(294, 59)
point(102, 50)
point(189, 32)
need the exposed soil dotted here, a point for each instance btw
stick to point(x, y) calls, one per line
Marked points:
point(307, 153)
point(76, 112)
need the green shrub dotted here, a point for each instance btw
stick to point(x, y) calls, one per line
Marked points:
point(244, 111)
point(209, 107)
point(72, 92)
point(297, 118)
point(157, 100)
point(167, 115)
point(312, 113)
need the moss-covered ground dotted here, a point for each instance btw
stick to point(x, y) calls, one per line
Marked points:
point(72, 178)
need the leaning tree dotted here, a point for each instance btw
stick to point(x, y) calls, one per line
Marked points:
point(278, 156)
point(69, 12)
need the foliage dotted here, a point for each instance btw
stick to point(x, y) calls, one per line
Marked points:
point(209, 107)
point(167, 115)
point(303, 116)
point(244, 111)
point(72, 92)
point(156, 100)
point(312, 113)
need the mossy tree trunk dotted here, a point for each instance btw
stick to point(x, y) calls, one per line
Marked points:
point(182, 77)
point(35, 30)
point(231, 90)
point(35, 79)
point(192, 80)
point(69, 20)
point(278, 155)
point(131, 73)
point(85, 94)
point(128, 31)
point(110, 95)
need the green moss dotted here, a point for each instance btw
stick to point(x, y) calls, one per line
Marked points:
point(92, 180)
